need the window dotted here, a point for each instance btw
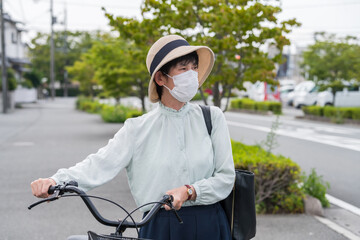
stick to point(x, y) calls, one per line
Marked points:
point(14, 37)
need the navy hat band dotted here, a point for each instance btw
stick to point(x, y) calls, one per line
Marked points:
point(164, 51)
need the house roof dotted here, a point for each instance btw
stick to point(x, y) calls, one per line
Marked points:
point(19, 60)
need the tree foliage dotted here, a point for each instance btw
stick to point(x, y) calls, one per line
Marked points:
point(333, 61)
point(66, 53)
point(113, 64)
point(229, 27)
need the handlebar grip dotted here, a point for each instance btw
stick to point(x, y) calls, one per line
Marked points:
point(51, 189)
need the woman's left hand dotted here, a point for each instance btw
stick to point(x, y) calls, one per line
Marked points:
point(180, 196)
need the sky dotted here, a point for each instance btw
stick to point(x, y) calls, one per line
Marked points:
point(334, 16)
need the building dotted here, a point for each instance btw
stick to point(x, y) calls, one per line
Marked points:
point(16, 59)
point(15, 49)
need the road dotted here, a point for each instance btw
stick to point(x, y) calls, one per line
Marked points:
point(333, 150)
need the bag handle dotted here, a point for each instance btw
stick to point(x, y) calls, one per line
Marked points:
point(207, 117)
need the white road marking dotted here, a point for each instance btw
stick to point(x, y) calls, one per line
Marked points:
point(337, 228)
point(308, 135)
point(344, 205)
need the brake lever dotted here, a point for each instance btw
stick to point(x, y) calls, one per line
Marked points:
point(49, 199)
point(174, 210)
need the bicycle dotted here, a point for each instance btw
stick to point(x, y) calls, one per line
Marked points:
point(59, 191)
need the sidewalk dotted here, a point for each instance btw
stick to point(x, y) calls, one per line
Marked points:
point(42, 137)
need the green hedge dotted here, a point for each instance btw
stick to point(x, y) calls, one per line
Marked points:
point(89, 105)
point(112, 114)
point(333, 112)
point(249, 104)
point(313, 110)
point(118, 114)
point(277, 179)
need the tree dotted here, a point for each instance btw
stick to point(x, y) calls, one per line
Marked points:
point(229, 27)
point(83, 72)
point(11, 80)
point(76, 43)
point(332, 61)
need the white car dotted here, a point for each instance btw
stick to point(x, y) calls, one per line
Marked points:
point(325, 98)
point(305, 94)
point(285, 91)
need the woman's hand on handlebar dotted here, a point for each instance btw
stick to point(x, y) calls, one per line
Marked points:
point(180, 196)
point(41, 186)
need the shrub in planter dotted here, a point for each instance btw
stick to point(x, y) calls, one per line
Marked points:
point(236, 103)
point(133, 113)
point(346, 112)
point(262, 106)
point(88, 105)
point(277, 179)
point(275, 107)
point(118, 114)
point(356, 113)
point(248, 104)
point(113, 114)
point(329, 111)
point(313, 110)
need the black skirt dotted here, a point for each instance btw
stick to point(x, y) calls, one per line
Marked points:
point(200, 222)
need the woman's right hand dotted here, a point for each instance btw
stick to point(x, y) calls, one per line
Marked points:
point(41, 186)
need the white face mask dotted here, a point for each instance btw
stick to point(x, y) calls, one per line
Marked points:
point(186, 85)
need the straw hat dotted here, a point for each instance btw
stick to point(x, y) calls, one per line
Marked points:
point(170, 47)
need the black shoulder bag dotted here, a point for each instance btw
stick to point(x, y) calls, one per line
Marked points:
point(239, 206)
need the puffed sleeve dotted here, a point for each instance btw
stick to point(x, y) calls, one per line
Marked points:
point(99, 168)
point(219, 185)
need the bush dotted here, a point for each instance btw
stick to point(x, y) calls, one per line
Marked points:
point(27, 84)
point(275, 107)
point(315, 186)
point(262, 106)
point(249, 104)
point(88, 105)
point(118, 114)
point(346, 112)
point(336, 114)
point(313, 110)
point(277, 179)
point(11, 80)
point(236, 103)
point(112, 114)
point(356, 113)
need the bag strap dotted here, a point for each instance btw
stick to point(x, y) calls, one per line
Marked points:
point(207, 117)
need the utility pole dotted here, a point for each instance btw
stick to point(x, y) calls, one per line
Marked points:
point(65, 52)
point(3, 61)
point(52, 81)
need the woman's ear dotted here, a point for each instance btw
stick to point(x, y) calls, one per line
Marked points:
point(159, 78)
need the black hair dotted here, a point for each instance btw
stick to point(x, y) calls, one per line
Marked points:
point(191, 57)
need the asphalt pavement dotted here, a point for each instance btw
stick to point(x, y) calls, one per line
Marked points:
point(41, 137)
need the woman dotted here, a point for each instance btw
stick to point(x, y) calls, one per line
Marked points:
point(168, 150)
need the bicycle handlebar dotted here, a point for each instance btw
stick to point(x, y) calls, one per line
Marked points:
point(71, 187)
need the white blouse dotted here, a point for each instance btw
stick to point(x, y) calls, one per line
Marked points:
point(162, 150)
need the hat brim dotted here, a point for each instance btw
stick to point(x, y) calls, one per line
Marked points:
point(206, 63)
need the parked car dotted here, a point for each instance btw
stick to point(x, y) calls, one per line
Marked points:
point(285, 91)
point(325, 98)
point(306, 94)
